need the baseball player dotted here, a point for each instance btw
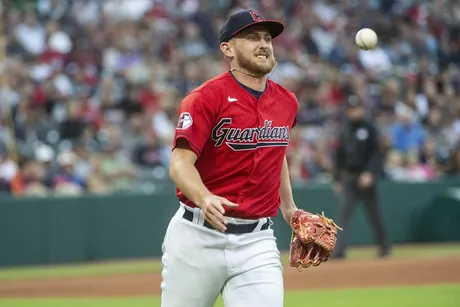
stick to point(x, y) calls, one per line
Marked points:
point(230, 169)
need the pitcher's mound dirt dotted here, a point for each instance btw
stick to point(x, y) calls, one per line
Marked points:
point(333, 274)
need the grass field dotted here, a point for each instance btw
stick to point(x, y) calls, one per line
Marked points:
point(432, 296)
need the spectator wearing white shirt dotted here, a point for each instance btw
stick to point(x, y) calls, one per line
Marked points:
point(375, 61)
point(8, 168)
point(31, 34)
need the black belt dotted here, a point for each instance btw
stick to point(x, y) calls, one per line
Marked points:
point(231, 228)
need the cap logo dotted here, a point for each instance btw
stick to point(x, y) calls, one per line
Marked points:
point(256, 16)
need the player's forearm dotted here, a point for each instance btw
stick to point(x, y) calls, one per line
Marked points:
point(287, 206)
point(187, 179)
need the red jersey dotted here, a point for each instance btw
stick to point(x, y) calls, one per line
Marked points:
point(240, 142)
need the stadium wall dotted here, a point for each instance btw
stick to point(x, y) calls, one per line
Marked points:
point(94, 228)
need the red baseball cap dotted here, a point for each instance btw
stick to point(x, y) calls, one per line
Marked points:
point(244, 19)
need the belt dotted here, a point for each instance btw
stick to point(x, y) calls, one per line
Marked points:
point(231, 228)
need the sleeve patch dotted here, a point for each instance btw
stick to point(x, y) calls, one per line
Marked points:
point(185, 121)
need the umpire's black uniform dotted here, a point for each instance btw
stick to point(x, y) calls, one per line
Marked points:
point(358, 153)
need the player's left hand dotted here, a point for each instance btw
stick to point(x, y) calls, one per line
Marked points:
point(313, 239)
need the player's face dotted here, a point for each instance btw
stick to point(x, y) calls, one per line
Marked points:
point(253, 51)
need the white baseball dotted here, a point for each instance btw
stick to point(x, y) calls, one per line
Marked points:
point(366, 39)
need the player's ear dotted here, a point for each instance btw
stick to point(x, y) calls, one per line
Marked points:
point(226, 49)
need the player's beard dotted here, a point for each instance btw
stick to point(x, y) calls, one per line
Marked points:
point(250, 65)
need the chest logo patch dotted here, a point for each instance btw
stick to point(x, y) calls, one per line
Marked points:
point(239, 139)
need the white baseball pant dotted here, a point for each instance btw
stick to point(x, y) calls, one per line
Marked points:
point(200, 263)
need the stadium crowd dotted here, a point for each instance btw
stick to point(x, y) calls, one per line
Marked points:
point(89, 90)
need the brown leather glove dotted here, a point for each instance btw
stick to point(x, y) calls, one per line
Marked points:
point(313, 239)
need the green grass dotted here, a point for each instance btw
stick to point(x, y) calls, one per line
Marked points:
point(76, 270)
point(153, 265)
point(426, 296)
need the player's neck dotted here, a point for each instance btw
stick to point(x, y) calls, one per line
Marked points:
point(253, 82)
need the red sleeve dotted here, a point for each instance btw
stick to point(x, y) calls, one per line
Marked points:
point(296, 106)
point(196, 116)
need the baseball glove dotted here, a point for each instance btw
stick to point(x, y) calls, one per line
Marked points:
point(313, 239)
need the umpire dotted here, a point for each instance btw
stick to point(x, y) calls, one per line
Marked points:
point(357, 167)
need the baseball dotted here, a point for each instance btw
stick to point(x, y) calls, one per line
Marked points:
point(366, 39)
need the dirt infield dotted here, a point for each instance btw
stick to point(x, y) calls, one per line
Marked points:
point(333, 274)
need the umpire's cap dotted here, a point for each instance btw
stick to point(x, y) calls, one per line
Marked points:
point(244, 19)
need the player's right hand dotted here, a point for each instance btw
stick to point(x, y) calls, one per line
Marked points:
point(213, 210)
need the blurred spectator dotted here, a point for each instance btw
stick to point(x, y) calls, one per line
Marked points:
point(417, 171)
point(8, 168)
point(116, 168)
point(394, 166)
point(149, 153)
point(73, 126)
point(79, 72)
point(44, 155)
point(376, 61)
point(31, 34)
point(29, 180)
point(436, 129)
point(432, 156)
point(453, 168)
point(406, 133)
point(66, 181)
